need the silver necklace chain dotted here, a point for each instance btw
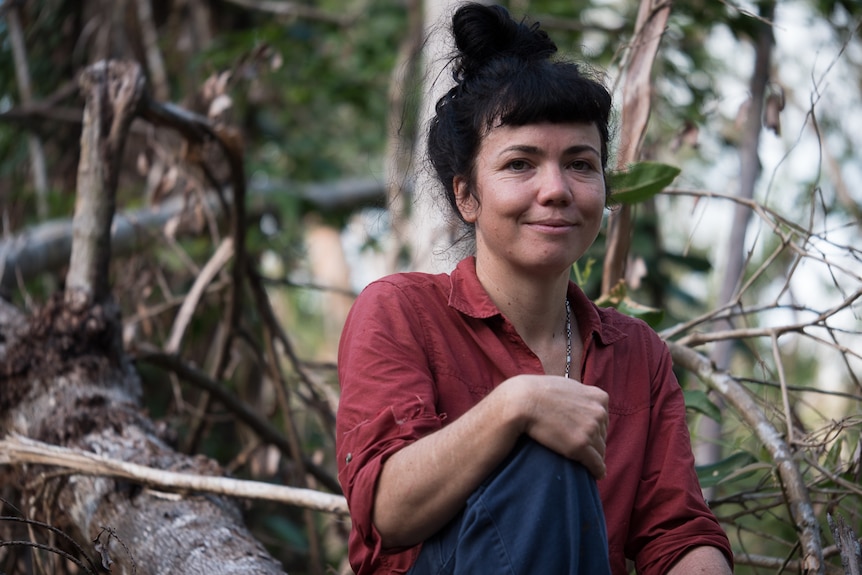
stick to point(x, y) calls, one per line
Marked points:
point(568, 337)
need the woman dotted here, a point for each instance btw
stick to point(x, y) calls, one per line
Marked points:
point(479, 409)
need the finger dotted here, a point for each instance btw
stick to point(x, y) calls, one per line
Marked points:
point(599, 445)
point(595, 463)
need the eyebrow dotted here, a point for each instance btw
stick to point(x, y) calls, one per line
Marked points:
point(535, 150)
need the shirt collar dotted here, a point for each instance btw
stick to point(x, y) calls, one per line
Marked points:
point(466, 292)
point(469, 297)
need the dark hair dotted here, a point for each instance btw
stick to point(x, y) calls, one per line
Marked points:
point(504, 76)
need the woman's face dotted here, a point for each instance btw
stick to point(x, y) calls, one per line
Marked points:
point(539, 196)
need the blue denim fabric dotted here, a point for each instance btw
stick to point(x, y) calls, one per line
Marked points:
point(537, 514)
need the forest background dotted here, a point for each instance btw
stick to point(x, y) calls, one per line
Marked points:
point(255, 163)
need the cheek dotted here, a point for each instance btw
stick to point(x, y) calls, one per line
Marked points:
point(593, 203)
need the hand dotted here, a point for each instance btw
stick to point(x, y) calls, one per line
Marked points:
point(565, 416)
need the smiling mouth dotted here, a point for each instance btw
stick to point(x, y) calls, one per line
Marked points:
point(552, 224)
point(552, 227)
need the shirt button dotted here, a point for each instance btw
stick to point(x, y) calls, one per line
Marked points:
point(349, 458)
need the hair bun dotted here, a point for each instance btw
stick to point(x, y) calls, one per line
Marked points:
point(485, 33)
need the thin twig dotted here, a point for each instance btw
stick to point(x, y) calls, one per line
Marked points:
point(218, 260)
point(792, 483)
point(242, 410)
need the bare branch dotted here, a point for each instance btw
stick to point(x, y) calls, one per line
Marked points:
point(16, 450)
point(149, 37)
point(242, 410)
point(792, 483)
point(204, 278)
point(46, 247)
point(294, 10)
point(22, 74)
point(112, 91)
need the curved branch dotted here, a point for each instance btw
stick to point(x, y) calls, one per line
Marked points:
point(790, 477)
point(67, 540)
point(50, 548)
point(242, 410)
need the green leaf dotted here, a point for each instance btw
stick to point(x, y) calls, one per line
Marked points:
point(583, 276)
point(651, 315)
point(618, 299)
point(699, 401)
point(695, 263)
point(641, 181)
point(737, 466)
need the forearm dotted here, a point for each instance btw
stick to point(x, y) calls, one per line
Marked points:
point(701, 560)
point(424, 485)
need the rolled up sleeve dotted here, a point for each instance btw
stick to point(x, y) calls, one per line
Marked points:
point(387, 402)
point(670, 515)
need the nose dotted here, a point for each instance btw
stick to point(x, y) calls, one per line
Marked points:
point(555, 187)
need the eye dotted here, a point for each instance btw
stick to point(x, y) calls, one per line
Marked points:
point(582, 165)
point(518, 165)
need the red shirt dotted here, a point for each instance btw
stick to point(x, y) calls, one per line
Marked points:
point(419, 350)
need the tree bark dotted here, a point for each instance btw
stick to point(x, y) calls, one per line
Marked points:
point(708, 448)
point(637, 92)
point(112, 91)
point(848, 544)
point(68, 382)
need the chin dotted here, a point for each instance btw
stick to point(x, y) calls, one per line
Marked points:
point(549, 268)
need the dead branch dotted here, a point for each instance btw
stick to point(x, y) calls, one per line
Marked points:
point(81, 391)
point(792, 483)
point(326, 407)
point(190, 302)
point(17, 450)
point(244, 412)
point(46, 247)
point(155, 62)
point(22, 75)
point(848, 544)
point(112, 91)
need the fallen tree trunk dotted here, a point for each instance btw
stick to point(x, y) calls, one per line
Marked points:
point(68, 382)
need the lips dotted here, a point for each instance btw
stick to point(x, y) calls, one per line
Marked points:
point(553, 223)
point(552, 226)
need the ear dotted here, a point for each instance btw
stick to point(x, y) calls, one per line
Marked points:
point(467, 203)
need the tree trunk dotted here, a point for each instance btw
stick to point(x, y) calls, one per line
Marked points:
point(637, 97)
point(68, 382)
point(708, 447)
point(45, 248)
point(431, 234)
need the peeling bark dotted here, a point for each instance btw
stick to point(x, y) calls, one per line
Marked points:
point(637, 92)
point(66, 385)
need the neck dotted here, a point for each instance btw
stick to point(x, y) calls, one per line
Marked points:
point(534, 304)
